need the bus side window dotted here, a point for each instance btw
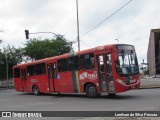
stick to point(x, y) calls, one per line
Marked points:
point(16, 72)
point(73, 63)
point(59, 66)
point(91, 60)
point(30, 70)
point(109, 63)
point(62, 65)
point(87, 61)
point(40, 68)
point(55, 70)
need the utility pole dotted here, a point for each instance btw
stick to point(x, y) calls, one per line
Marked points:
point(6, 67)
point(78, 27)
point(71, 51)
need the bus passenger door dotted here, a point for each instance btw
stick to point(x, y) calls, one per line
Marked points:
point(109, 73)
point(23, 79)
point(52, 77)
point(101, 73)
point(104, 71)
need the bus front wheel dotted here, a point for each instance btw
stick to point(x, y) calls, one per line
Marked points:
point(35, 90)
point(91, 91)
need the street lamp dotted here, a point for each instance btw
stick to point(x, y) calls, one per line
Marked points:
point(5, 52)
point(78, 27)
point(117, 40)
point(27, 33)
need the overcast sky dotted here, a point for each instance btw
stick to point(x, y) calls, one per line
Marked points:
point(131, 25)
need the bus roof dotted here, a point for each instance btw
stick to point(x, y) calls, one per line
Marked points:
point(67, 55)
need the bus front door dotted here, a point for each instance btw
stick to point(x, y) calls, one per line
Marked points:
point(52, 76)
point(23, 79)
point(105, 72)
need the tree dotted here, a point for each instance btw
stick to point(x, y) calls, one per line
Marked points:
point(34, 49)
point(2, 65)
point(13, 56)
point(39, 49)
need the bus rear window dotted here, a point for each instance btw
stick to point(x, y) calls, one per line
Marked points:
point(16, 72)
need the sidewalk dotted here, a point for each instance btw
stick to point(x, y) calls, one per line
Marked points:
point(3, 85)
point(150, 83)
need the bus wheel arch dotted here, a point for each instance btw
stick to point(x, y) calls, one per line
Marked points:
point(91, 90)
point(35, 90)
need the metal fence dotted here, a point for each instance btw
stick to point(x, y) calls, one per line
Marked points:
point(5, 83)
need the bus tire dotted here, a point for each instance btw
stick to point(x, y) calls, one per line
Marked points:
point(35, 90)
point(91, 91)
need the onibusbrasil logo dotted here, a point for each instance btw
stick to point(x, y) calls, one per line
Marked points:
point(21, 114)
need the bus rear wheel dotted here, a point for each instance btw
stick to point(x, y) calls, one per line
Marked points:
point(91, 91)
point(35, 90)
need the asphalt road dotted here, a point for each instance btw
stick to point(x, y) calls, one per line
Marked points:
point(134, 100)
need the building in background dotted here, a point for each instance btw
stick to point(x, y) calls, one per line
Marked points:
point(153, 54)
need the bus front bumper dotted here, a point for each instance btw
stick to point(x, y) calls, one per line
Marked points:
point(120, 87)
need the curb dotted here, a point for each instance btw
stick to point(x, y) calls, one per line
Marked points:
point(149, 87)
point(3, 87)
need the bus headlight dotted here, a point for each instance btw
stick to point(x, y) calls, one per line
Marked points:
point(120, 81)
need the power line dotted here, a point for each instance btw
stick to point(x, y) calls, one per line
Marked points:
point(85, 43)
point(104, 21)
point(107, 18)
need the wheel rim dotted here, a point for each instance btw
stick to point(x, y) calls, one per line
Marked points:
point(92, 90)
point(35, 90)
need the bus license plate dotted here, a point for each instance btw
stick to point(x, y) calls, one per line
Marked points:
point(133, 87)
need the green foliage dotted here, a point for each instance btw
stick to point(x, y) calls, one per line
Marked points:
point(34, 49)
point(39, 49)
point(2, 65)
point(13, 56)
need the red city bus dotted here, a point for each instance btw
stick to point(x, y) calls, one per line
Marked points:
point(105, 69)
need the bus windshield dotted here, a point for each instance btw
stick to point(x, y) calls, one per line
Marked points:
point(127, 63)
